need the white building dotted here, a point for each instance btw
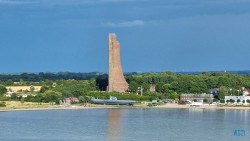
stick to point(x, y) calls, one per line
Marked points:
point(243, 99)
point(246, 93)
point(197, 97)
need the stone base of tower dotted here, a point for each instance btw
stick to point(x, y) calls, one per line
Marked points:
point(118, 87)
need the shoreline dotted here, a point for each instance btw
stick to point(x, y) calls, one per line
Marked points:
point(167, 106)
point(204, 107)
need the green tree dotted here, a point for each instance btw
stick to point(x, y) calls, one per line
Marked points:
point(32, 88)
point(75, 88)
point(14, 96)
point(51, 96)
point(2, 104)
point(3, 90)
point(223, 91)
point(43, 89)
point(216, 100)
point(66, 93)
point(172, 95)
point(248, 101)
point(238, 100)
point(84, 99)
point(211, 82)
point(166, 88)
point(145, 87)
point(9, 83)
point(224, 81)
point(231, 101)
point(183, 86)
point(154, 95)
point(133, 86)
point(77, 93)
point(22, 100)
point(159, 87)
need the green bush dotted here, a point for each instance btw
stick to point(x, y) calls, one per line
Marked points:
point(74, 102)
point(22, 100)
point(182, 102)
point(216, 100)
point(152, 104)
point(223, 101)
point(2, 104)
point(3, 98)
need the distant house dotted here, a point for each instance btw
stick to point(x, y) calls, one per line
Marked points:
point(246, 93)
point(71, 99)
point(197, 97)
point(23, 95)
point(54, 85)
point(8, 94)
point(152, 88)
point(214, 91)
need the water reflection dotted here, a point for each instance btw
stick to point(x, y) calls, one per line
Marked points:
point(114, 125)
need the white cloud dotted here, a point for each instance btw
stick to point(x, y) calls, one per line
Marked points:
point(126, 23)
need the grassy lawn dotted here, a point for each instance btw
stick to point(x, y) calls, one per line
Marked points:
point(25, 105)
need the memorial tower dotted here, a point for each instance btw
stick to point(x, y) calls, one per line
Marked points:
point(116, 80)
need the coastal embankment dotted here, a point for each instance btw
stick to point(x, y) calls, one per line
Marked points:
point(29, 106)
point(233, 107)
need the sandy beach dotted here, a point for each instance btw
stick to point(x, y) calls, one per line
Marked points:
point(17, 106)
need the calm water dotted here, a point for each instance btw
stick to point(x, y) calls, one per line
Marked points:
point(125, 125)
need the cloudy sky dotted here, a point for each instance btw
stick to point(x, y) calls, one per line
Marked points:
point(155, 35)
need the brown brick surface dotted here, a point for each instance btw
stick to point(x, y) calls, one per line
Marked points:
point(117, 81)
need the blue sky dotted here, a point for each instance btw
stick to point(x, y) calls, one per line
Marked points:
point(155, 35)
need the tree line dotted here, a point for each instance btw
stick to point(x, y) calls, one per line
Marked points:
point(170, 83)
point(167, 85)
point(42, 76)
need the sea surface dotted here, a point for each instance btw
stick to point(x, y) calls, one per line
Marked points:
point(132, 124)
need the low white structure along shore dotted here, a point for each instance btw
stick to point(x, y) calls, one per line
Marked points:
point(237, 99)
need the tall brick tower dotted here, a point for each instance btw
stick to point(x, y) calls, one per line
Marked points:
point(117, 81)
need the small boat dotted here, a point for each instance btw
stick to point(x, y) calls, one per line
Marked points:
point(112, 101)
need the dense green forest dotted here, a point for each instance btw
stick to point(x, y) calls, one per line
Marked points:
point(167, 84)
point(41, 76)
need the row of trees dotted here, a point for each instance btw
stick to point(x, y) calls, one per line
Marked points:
point(9, 79)
point(167, 85)
point(172, 84)
point(186, 83)
point(48, 96)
